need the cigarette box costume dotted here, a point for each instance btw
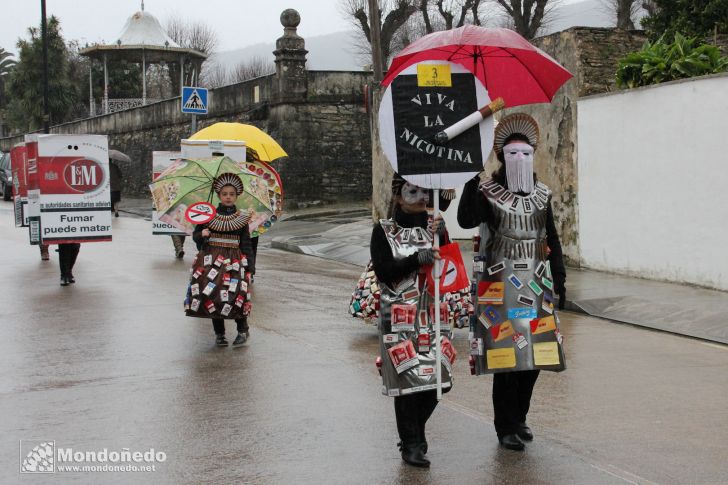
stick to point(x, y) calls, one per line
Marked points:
point(406, 323)
point(516, 327)
point(221, 272)
point(519, 264)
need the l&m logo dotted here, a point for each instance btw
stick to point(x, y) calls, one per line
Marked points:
point(84, 175)
point(38, 459)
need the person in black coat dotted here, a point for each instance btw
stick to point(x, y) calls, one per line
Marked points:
point(413, 405)
point(512, 390)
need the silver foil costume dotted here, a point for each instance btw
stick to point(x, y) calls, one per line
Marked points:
point(515, 326)
point(418, 374)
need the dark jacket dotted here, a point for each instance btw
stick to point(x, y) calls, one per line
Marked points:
point(474, 210)
point(387, 269)
point(244, 234)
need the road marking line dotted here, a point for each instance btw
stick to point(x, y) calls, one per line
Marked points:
point(624, 475)
point(715, 346)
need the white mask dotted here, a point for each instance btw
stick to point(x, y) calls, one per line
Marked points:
point(519, 166)
point(413, 194)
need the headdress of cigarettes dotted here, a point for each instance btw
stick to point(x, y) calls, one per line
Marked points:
point(515, 124)
point(228, 179)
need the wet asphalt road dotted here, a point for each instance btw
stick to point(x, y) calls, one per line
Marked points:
point(113, 363)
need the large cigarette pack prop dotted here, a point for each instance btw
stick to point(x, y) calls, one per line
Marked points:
point(234, 149)
point(161, 161)
point(19, 167)
point(68, 188)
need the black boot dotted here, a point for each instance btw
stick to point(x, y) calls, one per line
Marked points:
point(512, 442)
point(407, 413)
point(412, 455)
point(65, 281)
point(220, 340)
point(524, 432)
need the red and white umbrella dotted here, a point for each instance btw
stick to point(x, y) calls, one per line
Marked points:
point(508, 65)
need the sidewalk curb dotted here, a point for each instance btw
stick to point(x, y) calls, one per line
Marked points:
point(325, 213)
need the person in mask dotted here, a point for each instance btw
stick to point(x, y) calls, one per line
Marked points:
point(402, 251)
point(519, 267)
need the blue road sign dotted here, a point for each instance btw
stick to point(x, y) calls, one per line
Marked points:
point(194, 100)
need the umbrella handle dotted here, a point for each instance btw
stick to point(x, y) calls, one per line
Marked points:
point(471, 120)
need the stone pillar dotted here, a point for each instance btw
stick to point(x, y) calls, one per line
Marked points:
point(291, 82)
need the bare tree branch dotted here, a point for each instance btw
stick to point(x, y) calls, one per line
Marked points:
point(424, 11)
point(446, 15)
point(528, 16)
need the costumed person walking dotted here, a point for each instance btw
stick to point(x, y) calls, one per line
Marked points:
point(219, 287)
point(401, 251)
point(519, 266)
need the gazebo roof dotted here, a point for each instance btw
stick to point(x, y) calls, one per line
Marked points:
point(142, 33)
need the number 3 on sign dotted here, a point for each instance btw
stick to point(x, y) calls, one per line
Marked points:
point(200, 213)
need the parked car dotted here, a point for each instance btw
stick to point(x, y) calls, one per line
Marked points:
point(6, 176)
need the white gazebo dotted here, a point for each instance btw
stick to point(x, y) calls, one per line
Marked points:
point(142, 40)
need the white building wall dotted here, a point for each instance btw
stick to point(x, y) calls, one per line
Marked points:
point(653, 181)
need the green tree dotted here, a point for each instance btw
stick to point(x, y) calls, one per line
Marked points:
point(691, 18)
point(6, 66)
point(25, 86)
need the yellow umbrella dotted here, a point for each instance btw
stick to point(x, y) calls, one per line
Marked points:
point(257, 140)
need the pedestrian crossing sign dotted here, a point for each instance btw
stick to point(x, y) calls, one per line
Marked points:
point(194, 100)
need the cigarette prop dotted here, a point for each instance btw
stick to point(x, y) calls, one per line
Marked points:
point(469, 121)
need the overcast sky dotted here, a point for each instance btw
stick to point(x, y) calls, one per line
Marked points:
point(239, 23)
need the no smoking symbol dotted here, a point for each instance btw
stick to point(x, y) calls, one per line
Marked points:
point(200, 213)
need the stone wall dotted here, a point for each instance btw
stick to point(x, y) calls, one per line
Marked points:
point(327, 138)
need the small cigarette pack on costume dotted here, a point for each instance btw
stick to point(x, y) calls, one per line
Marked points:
point(210, 307)
point(226, 279)
point(219, 260)
point(448, 351)
point(236, 265)
point(195, 305)
point(444, 313)
point(195, 289)
point(224, 295)
point(239, 301)
point(403, 356)
point(197, 273)
point(207, 261)
point(233, 286)
point(519, 340)
point(208, 289)
point(403, 317)
point(423, 342)
point(212, 274)
point(244, 262)
point(226, 309)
